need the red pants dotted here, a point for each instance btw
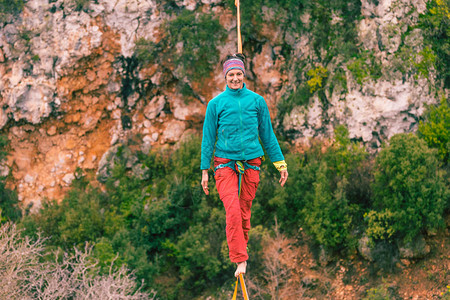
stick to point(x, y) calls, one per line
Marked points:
point(237, 208)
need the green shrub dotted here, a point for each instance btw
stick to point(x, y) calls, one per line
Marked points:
point(316, 78)
point(409, 184)
point(189, 45)
point(424, 62)
point(335, 37)
point(81, 4)
point(378, 293)
point(365, 66)
point(9, 202)
point(379, 224)
point(330, 214)
point(435, 129)
point(408, 62)
point(328, 217)
point(10, 7)
point(436, 25)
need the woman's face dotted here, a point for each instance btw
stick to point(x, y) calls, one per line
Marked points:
point(235, 79)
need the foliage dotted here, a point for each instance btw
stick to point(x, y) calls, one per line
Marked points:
point(299, 97)
point(275, 280)
point(326, 193)
point(436, 25)
point(160, 224)
point(10, 7)
point(187, 45)
point(378, 293)
point(337, 36)
point(316, 77)
point(328, 217)
point(152, 222)
point(332, 212)
point(379, 224)
point(408, 184)
point(9, 209)
point(365, 66)
point(435, 129)
point(409, 62)
point(424, 62)
point(81, 4)
point(446, 295)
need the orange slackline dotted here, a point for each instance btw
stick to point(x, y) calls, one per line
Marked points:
point(241, 277)
point(236, 2)
point(244, 289)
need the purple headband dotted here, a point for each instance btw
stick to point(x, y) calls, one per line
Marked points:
point(233, 63)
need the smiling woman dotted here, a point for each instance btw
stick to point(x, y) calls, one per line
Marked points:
point(235, 121)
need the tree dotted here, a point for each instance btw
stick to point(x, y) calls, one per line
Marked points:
point(408, 187)
point(25, 274)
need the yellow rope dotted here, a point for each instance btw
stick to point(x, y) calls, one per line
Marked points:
point(243, 287)
point(236, 2)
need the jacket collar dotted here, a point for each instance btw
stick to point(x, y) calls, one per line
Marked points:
point(236, 92)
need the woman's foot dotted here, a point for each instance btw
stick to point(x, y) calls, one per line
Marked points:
point(241, 268)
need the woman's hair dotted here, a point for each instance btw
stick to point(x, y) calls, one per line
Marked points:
point(239, 56)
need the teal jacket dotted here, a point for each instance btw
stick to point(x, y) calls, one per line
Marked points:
point(235, 119)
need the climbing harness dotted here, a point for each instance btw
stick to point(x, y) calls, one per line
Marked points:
point(236, 2)
point(239, 166)
point(243, 288)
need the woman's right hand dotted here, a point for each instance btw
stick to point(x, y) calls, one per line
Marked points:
point(205, 179)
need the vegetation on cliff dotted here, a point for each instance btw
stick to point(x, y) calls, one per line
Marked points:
point(164, 228)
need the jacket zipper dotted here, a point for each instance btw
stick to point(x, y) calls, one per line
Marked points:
point(242, 128)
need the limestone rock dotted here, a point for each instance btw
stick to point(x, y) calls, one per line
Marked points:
point(364, 248)
point(191, 110)
point(156, 105)
point(417, 248)
point(174, 130)
point(68, 178)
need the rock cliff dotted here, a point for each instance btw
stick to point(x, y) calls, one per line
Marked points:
point(71, 88)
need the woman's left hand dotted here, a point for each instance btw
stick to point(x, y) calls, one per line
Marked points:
point(204, 183)
point(283, 177)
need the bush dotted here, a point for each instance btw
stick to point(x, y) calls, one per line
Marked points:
point(378, 293)
point(25, 275)
point(9, 208)
point(436, 24)
point(10, 7)
point(365, 66)
point(316, 77)
point(188, 46)
point(435, 129)
point(409, 185)
point(330, 215)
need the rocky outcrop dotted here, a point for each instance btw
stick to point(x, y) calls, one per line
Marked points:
point(71, 89)
point(375, 110)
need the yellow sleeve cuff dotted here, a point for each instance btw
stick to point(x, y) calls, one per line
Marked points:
point(280, 165)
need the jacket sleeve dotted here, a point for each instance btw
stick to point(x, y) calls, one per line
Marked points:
point(209, 136)
point(266, 133)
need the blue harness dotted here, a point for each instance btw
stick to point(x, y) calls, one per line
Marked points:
point(239, 166)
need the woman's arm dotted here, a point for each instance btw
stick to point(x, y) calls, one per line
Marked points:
point(209, 136)
point(205, 179)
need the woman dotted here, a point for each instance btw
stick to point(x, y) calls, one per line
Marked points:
point(235, 121)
